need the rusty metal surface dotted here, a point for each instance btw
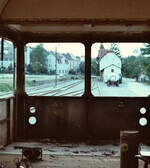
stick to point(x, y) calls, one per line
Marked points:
point(81, 118)
point(56, 118)
point(75, 118)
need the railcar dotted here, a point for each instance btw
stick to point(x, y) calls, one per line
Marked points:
point(76, 118)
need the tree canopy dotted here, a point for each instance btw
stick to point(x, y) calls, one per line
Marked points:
point(38, 59)
point(114, 47)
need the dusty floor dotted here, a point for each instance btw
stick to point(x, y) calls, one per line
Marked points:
point(67, 155)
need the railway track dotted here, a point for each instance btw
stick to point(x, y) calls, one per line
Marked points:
point(64, 88)
point(6, 94)
point(55, 91)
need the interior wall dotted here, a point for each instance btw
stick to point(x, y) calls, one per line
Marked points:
point(3, 122)
point(55, 9)
point(79, 118)
point(6, 121)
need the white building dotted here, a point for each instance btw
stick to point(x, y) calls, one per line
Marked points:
point(27, 54)
point(8, 54)
point(108, 62)
point(64, 63)
point(61, 64)
point(8, 57)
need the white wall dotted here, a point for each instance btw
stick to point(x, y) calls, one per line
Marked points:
point(62, 68)
point(107, 71)
point(109, 59)
point(6, 63)
point(27, 55)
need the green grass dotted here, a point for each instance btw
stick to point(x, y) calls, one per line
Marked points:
point(6, 87)
point(29, 84)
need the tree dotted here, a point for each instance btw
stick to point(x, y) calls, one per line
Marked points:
point(146, 60)
point(10, 68)
point(38, 59)
point(146, 65)
point(146, 49)
point(101, 46)
point(29, 68)
point(131, 66)
point(72, 72)
point(95, 66)
point(115, 48)
point(82, 67)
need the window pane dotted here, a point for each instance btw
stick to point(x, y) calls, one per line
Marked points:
point(6, 69)
point(54, 69)
point(120, 69)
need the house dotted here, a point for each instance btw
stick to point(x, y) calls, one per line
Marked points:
point(61, 64)
point(8, 54)
point(8, 57)
point(65, 62)
point(109, 62)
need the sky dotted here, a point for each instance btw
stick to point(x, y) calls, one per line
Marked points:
point(126, 49)
point(78, 49)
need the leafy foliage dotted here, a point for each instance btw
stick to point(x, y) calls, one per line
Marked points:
point(38, 60)
point(146, 49)
point(114, 47)
point(131, 66)
point(101, 46)
point(72, 72)
point(82, 67)
point(95, 66)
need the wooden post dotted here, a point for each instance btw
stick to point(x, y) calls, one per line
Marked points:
point(129, 141)
point(20, 89)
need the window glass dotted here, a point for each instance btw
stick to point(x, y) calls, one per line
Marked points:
point(6, 68)
point(120, 69)
point(54, 69)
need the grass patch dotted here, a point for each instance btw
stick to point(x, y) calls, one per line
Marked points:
point(147, 82)
point(30, 83)
point(6, 87)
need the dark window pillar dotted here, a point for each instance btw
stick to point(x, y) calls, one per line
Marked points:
point(88, 45)
point(20, 90)
point(20, 74)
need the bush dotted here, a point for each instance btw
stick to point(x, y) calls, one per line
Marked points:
point(72, 72)
point(52, 72)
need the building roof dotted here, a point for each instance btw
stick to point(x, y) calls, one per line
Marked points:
point(68, 56)
point(103, 52)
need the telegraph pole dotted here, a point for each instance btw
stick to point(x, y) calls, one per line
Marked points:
point(56, 56)
point(56, 67)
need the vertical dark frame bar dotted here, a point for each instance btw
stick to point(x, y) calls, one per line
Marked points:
point(8, 121)
point(20, 74)
point(14, 67)
point(88, 45)
point(2, 51)
point(87, 93)
point(20, 89)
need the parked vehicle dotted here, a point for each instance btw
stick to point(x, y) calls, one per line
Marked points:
point(120, 78)
point(113, 79)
